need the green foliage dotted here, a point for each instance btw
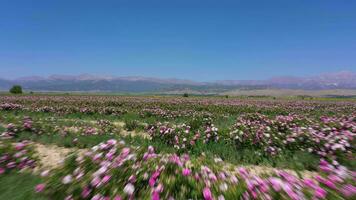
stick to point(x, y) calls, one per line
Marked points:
point(19, 186)
point(16, 89)
point(131, 125)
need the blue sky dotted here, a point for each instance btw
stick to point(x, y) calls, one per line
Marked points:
point(199, 40)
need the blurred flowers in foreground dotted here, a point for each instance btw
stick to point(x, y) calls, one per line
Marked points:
point(112, 170)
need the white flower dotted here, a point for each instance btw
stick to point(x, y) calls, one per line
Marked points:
point(145, 176)
point(67, 179)
point(45, 173)
point(100, 171)
point(338, 146)
point(217, 160)
point(95, 148)
point(221, 197)
point(223, 187)
point(129, 189)
point(335, 163)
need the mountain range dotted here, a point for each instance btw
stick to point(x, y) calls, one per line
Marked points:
point(137, 84)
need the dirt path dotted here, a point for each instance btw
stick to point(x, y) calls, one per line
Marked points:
point(264, 170)
point(51, 156)
point(124, 132)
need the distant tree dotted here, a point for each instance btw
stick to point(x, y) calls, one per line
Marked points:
point(16, 89)
point(227, 96)
point(185, 95)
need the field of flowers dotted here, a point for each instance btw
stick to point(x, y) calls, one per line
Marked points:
point(152, 147)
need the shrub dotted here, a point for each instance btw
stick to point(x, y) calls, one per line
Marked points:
point(16, 89)
point(16, 156)
point(185, 95)
point(131, 125)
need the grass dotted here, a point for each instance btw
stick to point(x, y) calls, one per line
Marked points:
point(2, 129)
point(19, 186)
point(66, 141)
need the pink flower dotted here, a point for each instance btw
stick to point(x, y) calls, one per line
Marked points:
point(159, 188)
point(330, 184)
point(85, 193)
point(151, 149)
point(117, 197)
point(320, 192)
point(348, 190)
point(276, 183)
point(207, 194)
point(19, 146)
point(243, 171)
point(185, 157)
point(96, 180)
point(11, 165)
point(69, 197)
point(112, 142)
point(2, 170)
point(153, 178)
point(132, 179)
point(106, 179)
point(186, 172)
point(155, 196)
point(334, 178)
point(125, 151)
point(96, 197)
point(40, 187)
point(152, 182)
point(310, 183)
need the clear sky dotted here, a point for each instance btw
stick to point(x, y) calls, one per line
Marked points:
point(199, 40)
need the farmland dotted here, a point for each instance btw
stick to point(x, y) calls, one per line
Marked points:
point(173, 147)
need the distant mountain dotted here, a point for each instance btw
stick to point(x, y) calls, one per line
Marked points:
point(87, 82)
point(339, 80)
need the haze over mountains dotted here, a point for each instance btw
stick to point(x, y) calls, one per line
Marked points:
point(93, 83)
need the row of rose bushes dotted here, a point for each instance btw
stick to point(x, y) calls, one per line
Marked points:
point(265, 136)
point(17, 156)
point(184, 136)
point(326, 137)
point(113, 170)
point(41, 126)
point(169, 107)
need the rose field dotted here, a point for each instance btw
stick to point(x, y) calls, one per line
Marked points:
point(105, 147)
